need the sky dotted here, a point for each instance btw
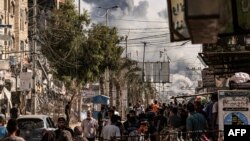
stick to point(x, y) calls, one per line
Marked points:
point(147, 21)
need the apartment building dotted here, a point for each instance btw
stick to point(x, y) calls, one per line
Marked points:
point(13, 44)
point(13, 29)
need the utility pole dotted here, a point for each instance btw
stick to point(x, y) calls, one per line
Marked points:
point(107, 10)
point(143, 73)
point(143, 61)
point(79, 8)
point(79, 90)
point(107, 73)
point(126, 39)
point(34, 104)
point(107, 17)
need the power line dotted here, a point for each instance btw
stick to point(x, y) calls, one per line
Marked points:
point(132, 20)
point(165, 34)
point(149, 28)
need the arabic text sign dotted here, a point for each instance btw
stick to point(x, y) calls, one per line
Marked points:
point(233, 107)
point(235, 102)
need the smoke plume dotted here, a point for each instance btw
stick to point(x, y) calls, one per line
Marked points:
point(132, 19)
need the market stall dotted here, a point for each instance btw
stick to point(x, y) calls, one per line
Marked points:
point(97, 101)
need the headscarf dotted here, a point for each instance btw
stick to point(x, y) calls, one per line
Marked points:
point(78, 130)
point(65, 135)
point(49, 136)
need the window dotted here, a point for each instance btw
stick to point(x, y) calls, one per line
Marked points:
point(12, 8)
point(22, 45)
point(8, 6)
point(5, 4)
point(50, 123)
point(22, 19)
point(5, 33)
point(30, 123)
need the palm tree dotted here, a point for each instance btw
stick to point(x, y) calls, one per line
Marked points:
point(126, 69)
point(111, 79)
point(136, 89)
point(150, 92)
point(107, 39)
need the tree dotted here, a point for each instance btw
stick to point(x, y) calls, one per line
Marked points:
point(73, 54)
point(136, 88)
point(78, 56)
point(126, 68)
point(108, 39)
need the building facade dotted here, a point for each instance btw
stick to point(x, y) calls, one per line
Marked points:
point(14, 46)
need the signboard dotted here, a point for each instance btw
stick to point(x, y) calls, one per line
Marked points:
point(148, 72)
point(243, 14)
point(208, 78)
point(234, 18)
point(233, 107)
point(4, 65)
point(25, 81)
point(177, 23)
point(164, 73)
point(156, 72)
point(2, 74)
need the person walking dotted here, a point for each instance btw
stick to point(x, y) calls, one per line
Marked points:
point(78, 134)
point(67, 112)
point(3, 110)
point(196, 122)
point(111, 130)
point(12, 128)
point(3, 129)
point(89, 126)
point(62, 125)
point(14, 112)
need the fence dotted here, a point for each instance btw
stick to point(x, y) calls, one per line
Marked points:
point(173, 136)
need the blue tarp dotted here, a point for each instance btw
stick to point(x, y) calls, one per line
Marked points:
point(100, 99)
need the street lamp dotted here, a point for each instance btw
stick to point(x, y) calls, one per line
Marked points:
point(107, 10)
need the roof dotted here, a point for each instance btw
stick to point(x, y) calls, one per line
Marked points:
point(200, 94)
point(227, 62)
point(33, 116)
point(100, 99)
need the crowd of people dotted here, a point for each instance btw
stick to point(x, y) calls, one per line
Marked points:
point(192, 118)
point(142, 123)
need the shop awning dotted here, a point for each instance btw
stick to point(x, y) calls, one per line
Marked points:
point(100, 99)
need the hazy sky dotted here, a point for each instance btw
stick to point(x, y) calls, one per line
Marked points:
point(147, 21)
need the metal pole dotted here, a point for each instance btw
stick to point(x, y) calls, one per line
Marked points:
point(79, 90)
point(126, 39)
point(79, 4)
point(107, 16)
point(34, 58)
point(143, 61)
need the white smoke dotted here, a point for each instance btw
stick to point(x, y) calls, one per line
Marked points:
point(181, 84)
point(138, 19)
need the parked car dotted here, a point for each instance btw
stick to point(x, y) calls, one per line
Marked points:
point(32, 126)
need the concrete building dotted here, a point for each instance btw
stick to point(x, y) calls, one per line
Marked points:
point(13, 46)
point(14, 29)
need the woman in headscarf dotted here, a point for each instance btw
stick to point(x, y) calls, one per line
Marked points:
point(65, 135)
point(78, 134)
point(49, 136)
